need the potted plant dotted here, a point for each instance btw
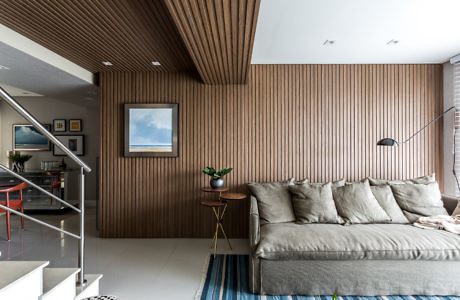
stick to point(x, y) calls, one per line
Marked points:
point(216, 176)
point(18, 161)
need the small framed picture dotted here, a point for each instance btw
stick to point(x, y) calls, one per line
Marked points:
point(59, 125)
point(76, 144)
point(75, 125)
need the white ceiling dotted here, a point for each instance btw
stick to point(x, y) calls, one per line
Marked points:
point(24, 72)
point(293, 31)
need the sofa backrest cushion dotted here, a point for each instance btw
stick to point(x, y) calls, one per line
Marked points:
point(419, 200)
point(387, 201)
point(273, 201)
point(314, 203)
point(420, 180)
point(356, 204)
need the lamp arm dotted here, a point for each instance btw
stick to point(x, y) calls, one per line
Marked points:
point(429, 123)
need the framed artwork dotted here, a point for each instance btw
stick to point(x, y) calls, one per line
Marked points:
point(27, 138)
point(76, 144)
point(75, 125)
point(151, 130)
point(59, 125)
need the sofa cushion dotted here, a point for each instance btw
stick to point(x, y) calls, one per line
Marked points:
point(313, 203)
point(420, 180)
point(419, 199)
point(387, 201)
point(274, 201)
point(356, 204)
point(457, 210)
point(290, 241)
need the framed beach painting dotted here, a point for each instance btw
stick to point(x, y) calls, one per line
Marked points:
point(27, 138)
point(151, 130)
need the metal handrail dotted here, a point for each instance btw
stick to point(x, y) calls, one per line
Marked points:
point(23, 112)
point(4, 168)
point(39, 222)
point(83, 167)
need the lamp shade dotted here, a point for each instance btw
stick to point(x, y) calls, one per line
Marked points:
point(387, 142)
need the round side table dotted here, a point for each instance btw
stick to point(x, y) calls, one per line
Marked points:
point(218, 207)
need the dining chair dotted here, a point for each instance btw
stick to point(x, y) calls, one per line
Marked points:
point(15, 204)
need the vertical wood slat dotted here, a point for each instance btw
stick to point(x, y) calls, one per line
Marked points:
point(315, 121)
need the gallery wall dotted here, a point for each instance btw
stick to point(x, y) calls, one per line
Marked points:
point(315, 121)
point(46, 110)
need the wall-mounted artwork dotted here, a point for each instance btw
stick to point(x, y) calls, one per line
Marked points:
point(27, 138)
point(59, 125)
point(76, 144)
point(151, 130)
point(75, 125)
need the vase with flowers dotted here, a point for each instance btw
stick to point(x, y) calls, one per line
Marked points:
point(18, 161)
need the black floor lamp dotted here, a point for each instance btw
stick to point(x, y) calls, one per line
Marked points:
point(393, 142)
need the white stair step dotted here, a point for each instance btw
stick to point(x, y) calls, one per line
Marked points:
point(59, 283)
point(91, 288)
point(21, 280)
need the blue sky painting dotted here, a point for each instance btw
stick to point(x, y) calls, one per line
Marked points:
point(150, 129)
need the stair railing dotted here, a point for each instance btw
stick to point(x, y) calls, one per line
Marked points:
point(83, 168)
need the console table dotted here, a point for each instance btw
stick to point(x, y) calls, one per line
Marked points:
point(63, 184)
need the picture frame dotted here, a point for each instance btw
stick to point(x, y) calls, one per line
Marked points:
point(27, 138)
point(151, 130)
point(59, 125)
point(76, 143)
point(75, 125)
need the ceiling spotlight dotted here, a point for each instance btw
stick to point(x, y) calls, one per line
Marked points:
point(392, 42)
point(107, 63)
point(4, 67)
point(156, 63)
point(328, 42)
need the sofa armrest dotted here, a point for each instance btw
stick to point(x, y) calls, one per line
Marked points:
point(450, 203)
point(254, 224)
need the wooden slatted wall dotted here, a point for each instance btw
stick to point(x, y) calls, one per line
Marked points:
point(315, 121)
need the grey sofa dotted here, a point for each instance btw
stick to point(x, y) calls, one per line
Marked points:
point(371, 259)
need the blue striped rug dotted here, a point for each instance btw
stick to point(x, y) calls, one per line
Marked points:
point(227, 279)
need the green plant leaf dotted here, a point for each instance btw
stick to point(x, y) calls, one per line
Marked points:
point(210, 171)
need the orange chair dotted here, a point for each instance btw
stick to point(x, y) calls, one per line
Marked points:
point(15, 204)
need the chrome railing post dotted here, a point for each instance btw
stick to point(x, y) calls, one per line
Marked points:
point(81, 241)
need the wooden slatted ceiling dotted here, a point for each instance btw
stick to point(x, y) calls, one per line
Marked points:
point(129, 33)
point(315, 121)
point(219, 36)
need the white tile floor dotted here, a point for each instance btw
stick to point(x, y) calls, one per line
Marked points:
point(134, 269)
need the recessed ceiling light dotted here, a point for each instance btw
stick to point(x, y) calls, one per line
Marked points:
point(328, 42)
point(107, 63)
point(392, 42)
point(156, 63)
point(4, 67)
point(89, 98)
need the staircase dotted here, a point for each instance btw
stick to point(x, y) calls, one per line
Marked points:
point(27, 280)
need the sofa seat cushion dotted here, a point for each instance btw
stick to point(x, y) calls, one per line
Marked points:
point(292, 241)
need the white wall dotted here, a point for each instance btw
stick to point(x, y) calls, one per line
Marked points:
point(449, 179)
point(45, 110)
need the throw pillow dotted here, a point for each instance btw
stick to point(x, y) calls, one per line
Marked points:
point(419, 199)
point(387, 201)
point(356, 204)
point(274, 201)
point(313, 203)
point(420, 180)
point(457, 210)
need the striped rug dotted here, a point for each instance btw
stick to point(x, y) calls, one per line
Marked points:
point(226, 279)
